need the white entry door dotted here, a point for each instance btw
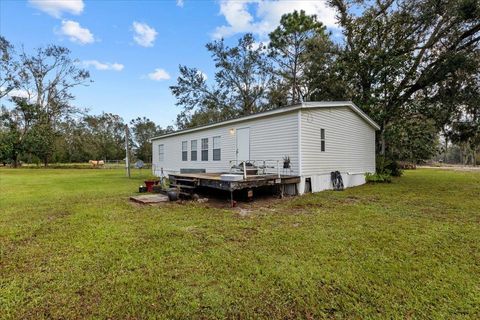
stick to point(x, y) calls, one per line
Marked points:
point(243, 144)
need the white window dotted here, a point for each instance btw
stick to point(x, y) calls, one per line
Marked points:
point(161, 152)
point(205, 149)
point(322, 140)
point(216, 149)
point(193, 152)
point(184, 151)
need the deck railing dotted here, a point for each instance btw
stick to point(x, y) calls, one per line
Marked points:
point(162, 172)
point(259, 167)
point(245, 168)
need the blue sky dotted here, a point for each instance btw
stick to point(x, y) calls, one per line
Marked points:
point(133, 48)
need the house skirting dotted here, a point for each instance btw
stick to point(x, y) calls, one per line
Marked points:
point(320, 182)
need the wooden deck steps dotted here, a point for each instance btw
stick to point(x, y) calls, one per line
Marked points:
point(182, 186)
point(185, 185)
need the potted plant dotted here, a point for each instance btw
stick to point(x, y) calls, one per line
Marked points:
point(286, 162)
point(150, 182)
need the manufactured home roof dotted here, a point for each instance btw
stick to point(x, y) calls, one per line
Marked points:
point(294, 107)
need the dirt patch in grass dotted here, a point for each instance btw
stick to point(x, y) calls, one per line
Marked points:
point(58, 215)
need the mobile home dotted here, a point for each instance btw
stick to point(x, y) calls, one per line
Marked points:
point(315, 137)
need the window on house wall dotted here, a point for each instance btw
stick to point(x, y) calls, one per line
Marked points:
point(184, 151)
point(322, 140)
point(161, 152)
point(193, 152)
point(205, 149)
point(216, 148)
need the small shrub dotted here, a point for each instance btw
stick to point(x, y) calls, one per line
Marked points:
point(388, 166)
point(378, 177)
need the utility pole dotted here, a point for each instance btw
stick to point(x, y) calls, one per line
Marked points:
point(127, 158)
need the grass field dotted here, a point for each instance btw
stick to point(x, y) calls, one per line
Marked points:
point(72, 246)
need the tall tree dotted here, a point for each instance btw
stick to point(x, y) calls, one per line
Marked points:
point(106, 136)
point(9, 67)
point(201, 103)
point(40, 141)
point(48, 77)
point(243, 73)
point(396, 49)
point(73, 143)
point(416, 138)
point(465, 127)
point(240, 86)
point(7, 140)
point(143, 130)
point(18, 123)
point(290, 46)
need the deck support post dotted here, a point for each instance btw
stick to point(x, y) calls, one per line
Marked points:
point(244, 171)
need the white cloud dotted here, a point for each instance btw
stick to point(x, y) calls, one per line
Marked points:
point(144, 35)
point(103, 65)
point(203, 74)
point(159, 75)
point(180, 3)
point(21, 93)
point(263, 45)
point(56, 8)
point(117, 66)
point(75, 32)
point(263, 16)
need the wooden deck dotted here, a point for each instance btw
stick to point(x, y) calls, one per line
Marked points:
point(213, 180)
point(187, 183)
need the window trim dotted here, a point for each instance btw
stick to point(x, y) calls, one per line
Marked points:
point(219, 148)
point(322, 140)
point(192, 150)
point(185, 150)
point(204, 149)
point(161, 152)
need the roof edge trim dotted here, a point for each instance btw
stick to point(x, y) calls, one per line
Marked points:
point(295, 107)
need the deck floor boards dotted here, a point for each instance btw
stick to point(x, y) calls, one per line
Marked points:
point(217, 176)
point(214, 180)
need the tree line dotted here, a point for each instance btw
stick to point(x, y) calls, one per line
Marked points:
point(412, 66)
point(43, 126)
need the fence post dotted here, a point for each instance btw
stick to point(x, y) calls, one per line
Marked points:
point(127, 160)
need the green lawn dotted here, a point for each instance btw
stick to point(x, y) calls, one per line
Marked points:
point(73, 246)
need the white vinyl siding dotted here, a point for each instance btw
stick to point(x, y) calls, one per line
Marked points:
point(271, 138)
point(349, 146)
